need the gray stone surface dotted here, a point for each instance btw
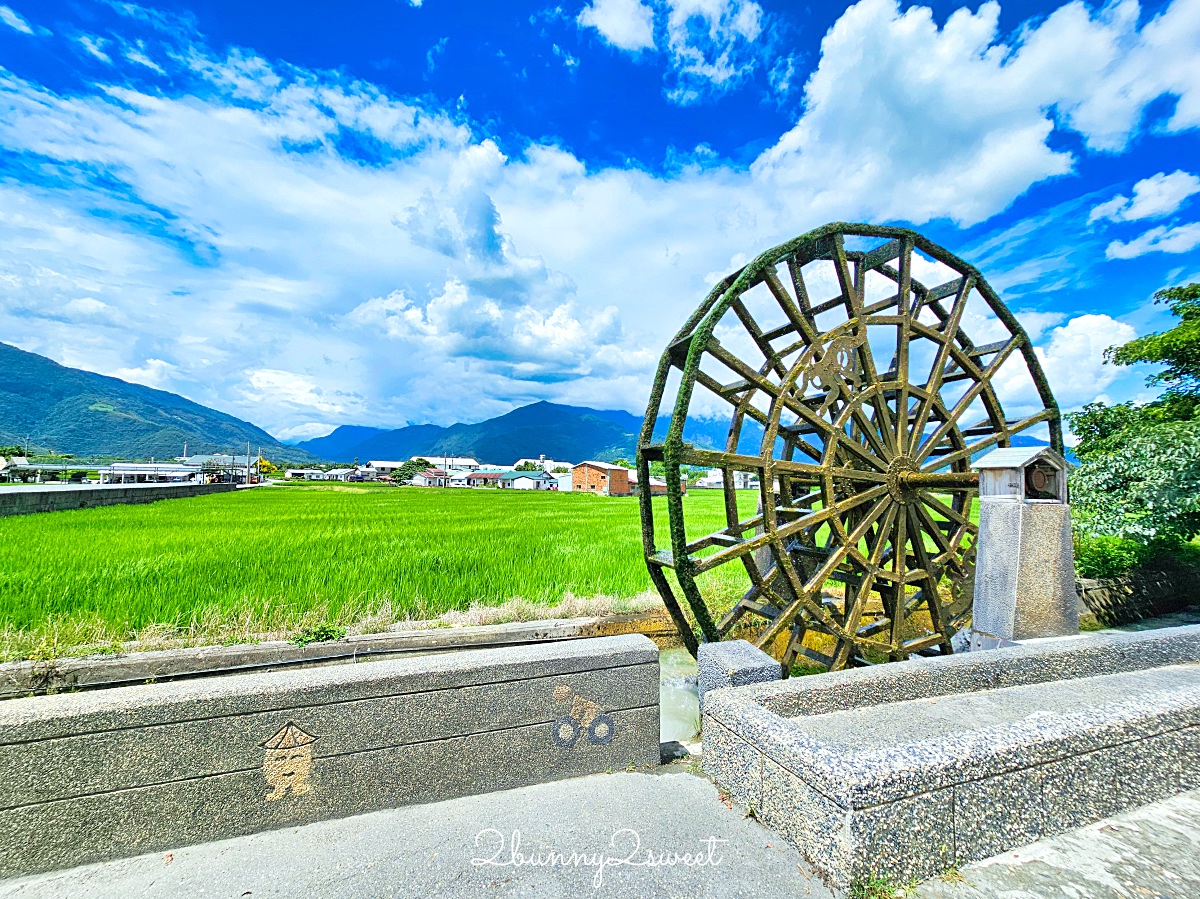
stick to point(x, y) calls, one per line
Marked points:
point(1149, 852)
point(996, 813)
point(1025, 571)
point(427, 850)
point(893, 770)
point(734, 663)
point(28, 678)
point(1031, 663)
point(91, 776)
point(31, 499)
point(733, 763)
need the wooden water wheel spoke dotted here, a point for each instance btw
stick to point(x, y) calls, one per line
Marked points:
point(864, 487)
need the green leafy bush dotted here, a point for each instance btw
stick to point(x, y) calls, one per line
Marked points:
point(1147, 490)
point(1107, 557)
point(322, 633)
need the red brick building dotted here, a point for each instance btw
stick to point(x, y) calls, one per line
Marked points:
point(600, 477)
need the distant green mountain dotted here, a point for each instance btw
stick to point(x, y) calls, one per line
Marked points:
point(567, 433)
point(72, 411)
point(333, 445)
point(564, 433)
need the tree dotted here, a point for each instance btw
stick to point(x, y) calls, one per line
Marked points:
point(267, 468)
point(1139, 476)
point(406, 471)
point(1147, 489)
point(528, 466)
point(1102, 428)
point(1177, 349)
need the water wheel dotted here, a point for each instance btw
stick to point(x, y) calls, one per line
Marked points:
point(855, 402)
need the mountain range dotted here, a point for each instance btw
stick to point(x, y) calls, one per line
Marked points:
point(567, 433)
point(72, 411)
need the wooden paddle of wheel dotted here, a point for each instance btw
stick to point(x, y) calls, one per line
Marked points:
point(856, 402)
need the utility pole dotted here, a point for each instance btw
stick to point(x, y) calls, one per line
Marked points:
point(247, 463)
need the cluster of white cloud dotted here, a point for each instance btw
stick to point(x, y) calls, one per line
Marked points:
point(949, 121)
point(625, 24)
point(14, 21)
point(303, 250)
point(711, 45)
point(1155, 197)
point(1163, 239)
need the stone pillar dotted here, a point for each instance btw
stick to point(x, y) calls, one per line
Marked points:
point(1025, 562)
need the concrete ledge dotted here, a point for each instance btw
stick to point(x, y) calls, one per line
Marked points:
point(734, 663)
point(92, 776)
point(907, 768)
point(28, 500)
point(29, 678)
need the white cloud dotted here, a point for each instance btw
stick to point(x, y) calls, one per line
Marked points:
point(291, 282)
point(14, 21)
point(571, 62)
point(1178, 239)
point(138, 55)
point(712, 45)
point(94, 46)
point(87, 306)
point(951, 121)
point(1153, 198)
point(154, 373)
point(625, 24)
point(1073, 361)
point(271, 386)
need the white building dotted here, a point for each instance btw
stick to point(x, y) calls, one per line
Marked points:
point(742, 480)
point(446, 463)
point(383, 467)
point(527, 480)
point(304, 474)
point(430, 477)
point(566, 483)
point(548, 465)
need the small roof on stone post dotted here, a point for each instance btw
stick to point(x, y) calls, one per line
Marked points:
point(1020, 457)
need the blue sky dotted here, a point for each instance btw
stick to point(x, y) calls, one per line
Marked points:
point(310, 214)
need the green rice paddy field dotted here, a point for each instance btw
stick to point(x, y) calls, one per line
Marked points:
point(273, 561)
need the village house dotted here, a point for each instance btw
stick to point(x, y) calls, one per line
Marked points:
point(658, 486)
point(600, 477)
point(382, 467)
point(430, 477)
point(484, 479)
point(527, 480)
point(304, 474)
point(742, 480)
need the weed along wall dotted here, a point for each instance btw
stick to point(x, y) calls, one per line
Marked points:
point(27, 500)
point(86, 777)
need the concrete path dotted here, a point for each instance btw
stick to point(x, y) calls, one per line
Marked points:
point(1153, 851)
point(464, 848)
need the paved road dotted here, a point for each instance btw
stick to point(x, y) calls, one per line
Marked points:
point(1153, 851)
point(425, 851)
